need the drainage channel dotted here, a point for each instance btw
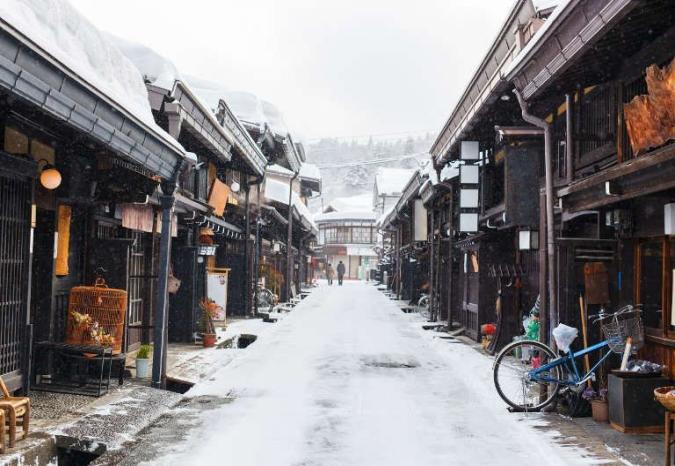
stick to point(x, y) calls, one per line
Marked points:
point(72, 451)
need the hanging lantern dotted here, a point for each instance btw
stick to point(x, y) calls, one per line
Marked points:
point(50, 177)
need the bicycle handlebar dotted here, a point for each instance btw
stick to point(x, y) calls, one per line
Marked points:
point(624, 310)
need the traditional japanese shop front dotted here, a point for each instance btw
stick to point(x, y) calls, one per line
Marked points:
point(71, 159)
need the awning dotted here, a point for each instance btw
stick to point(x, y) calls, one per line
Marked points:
point(218, 225)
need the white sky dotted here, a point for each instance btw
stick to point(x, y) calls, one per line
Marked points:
point(334, 68)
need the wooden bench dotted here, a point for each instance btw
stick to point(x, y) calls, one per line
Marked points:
point(16, 411)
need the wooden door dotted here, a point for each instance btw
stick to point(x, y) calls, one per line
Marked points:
point(184, 312)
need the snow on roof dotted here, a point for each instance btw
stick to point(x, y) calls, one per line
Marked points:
point(309, 171)
point(383, 218)
point(345, 215)
point(276, 191)
point(360, 202)
point(429, 172)
point(391, 181)
point(304, 212)
point(247, 107)
point(544, 4)
point(59, 29)
point(449, 172)
point(274, 119)
point(516, 62)
point(156, 69)
point(279, 170)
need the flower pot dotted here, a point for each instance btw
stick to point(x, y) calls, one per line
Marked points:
point(209, 340)
point(600, 410)
point(142, 368)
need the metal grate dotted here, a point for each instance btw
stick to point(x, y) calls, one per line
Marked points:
point(15, 198)
point(137, 279)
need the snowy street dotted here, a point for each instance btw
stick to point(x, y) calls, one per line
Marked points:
point(348, 379)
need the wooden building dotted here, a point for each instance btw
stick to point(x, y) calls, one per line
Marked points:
point(597, 79)
point(71, 156)
point(495, 197)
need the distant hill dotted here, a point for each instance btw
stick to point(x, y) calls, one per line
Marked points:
point(348, 168)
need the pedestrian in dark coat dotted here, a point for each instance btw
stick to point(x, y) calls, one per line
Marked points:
point(341, 272)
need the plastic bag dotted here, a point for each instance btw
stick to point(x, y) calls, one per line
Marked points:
point(564, 336)
point(526, 323)
point(644, 367)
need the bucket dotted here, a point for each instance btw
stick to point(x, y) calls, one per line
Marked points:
point(600, 410)
point(142, 368)
point(209, 340)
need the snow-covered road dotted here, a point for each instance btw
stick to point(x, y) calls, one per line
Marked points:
point(348, 379)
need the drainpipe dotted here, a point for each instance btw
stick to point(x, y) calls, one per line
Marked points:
point(289, 240)
point(550, 224)
point(569, 141)
point(167, 202)
point(256, 258)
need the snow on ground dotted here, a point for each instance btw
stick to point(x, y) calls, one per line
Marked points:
point(348, 379)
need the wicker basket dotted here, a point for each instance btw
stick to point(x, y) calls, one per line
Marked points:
point(104, 305)
point(663, 396)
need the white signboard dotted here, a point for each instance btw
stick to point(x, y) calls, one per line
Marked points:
point(421, 233)
point(216, 289)
point(468, 223)
point(468, 174)
point(468, 198)
point(469, 150)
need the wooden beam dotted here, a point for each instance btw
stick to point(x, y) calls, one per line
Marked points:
point(656, 157)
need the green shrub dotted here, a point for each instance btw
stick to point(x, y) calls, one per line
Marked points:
point(144, 352)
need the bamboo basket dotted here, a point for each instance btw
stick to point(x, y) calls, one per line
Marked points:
point(662, 396)
point(104, 305)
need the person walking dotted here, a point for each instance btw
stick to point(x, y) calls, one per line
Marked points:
point(330, 273)
point(341, 272)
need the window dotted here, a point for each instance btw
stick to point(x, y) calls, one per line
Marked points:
point(15, 141)
point(343, 235)
point(331, 235)
point(361, 235)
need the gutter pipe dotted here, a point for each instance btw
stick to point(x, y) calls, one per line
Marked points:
point(550, 224)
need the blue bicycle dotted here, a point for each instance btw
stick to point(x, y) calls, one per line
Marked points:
point(528, 374)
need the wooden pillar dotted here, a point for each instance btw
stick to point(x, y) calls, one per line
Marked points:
point(432, 271)
point(160, 318)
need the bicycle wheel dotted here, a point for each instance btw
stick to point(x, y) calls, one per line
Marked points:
point(511, 375)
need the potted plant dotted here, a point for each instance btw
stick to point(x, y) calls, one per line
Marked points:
point(143, 361)
point(209, 311)
point(598, 401)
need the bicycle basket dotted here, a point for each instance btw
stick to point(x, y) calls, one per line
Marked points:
point(619, 328)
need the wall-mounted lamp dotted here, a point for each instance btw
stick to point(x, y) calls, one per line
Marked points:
point(50, 177)
point(235, 187)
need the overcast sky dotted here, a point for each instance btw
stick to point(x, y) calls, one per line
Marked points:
point(334, 68)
